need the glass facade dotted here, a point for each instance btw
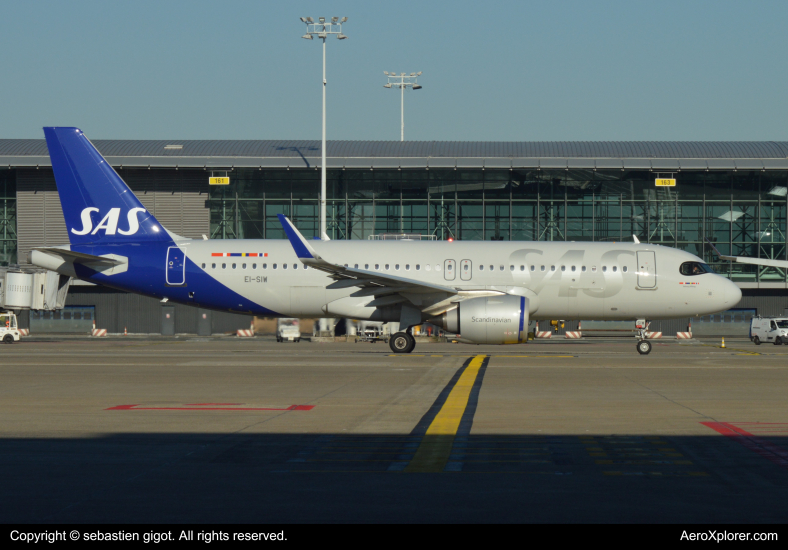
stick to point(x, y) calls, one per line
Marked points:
point(8, 239)
point(742, 212)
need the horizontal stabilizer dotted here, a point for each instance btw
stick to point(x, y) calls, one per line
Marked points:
point(81, 258)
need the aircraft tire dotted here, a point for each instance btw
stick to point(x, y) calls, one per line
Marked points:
point(402, 342)
point(644, 347)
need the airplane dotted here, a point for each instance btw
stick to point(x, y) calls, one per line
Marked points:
point(487, 292)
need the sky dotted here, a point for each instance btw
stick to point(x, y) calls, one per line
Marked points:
point(492, 71)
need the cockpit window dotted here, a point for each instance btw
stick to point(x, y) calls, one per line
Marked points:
point(694, 268)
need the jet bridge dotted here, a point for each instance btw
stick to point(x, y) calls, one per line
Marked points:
point(37, 289)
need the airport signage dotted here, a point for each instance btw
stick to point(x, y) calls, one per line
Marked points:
point(219, 181)
point(665, 182)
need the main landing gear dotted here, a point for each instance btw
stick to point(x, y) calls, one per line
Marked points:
point(402, 342)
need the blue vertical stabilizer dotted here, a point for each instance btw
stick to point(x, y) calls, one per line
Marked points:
point(97, 204)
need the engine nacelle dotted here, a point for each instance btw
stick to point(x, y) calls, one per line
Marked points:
point(489, 320)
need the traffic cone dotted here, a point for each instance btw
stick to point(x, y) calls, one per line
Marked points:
point(124, 332)
point(723, 342)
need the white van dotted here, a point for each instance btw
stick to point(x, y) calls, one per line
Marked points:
point(288, 329)
point(769, 329)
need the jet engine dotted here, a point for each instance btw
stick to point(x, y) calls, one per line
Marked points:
point(488, 320)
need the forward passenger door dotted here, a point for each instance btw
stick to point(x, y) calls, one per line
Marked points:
point(647, 269)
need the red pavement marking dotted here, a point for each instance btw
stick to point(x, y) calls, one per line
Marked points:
point(202, 408)
point(767, 450)
point(209, 404)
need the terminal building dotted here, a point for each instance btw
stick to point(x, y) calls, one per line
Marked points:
point(734, 194)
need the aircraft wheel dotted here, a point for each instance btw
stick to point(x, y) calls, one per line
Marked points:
point(644, 347)
point(756, 340)
point(402, 342)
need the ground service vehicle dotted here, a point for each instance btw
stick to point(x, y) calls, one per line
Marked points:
point(9, 330)
point(288, 329)
point(769, 329)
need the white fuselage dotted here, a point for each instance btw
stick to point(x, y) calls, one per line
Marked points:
point(563, 280)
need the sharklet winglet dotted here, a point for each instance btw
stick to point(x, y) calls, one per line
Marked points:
point(300, 245)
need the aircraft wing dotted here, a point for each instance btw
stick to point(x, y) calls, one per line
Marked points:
point(371, 283)
point(753, 261)
point(80, 257)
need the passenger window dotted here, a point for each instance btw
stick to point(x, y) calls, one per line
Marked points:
point(233, 266)
point(203, 266)
point(418, 267)
point(295, 266)
point(563, 268)
point(377, 266)
point(624, 269)
point(511, 268)
point(387, 267)
point(552, 268)
point(492, 268)
point(274, 266)
point(355, 266)
point(243, 266)
point(533, 267)
point(593, 268)
point(284, 266)
point(583, 269)
point(573, 268)
point(501, 268)
point(366, 266)
point(542, 268)
point(407, 267)
point(265, 266)
point(213, 266)
point(604, 268)
point(615, 269)
point(224, 266)
point(481, 267)
point(522, 268)
point(396, 266)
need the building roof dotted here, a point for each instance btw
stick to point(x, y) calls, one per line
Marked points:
point(664, 155)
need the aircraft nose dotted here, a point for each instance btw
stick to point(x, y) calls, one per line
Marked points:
point(731, 293)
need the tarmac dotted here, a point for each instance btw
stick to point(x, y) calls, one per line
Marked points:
point(213, 430)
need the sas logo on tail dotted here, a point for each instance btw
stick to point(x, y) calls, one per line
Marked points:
point(109, 223)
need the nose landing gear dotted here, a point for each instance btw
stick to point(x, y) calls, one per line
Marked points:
point(643, 345)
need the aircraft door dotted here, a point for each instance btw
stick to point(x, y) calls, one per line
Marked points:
point(176, 266)
point(466, 270)
point(647, 269)
point(449, 270)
